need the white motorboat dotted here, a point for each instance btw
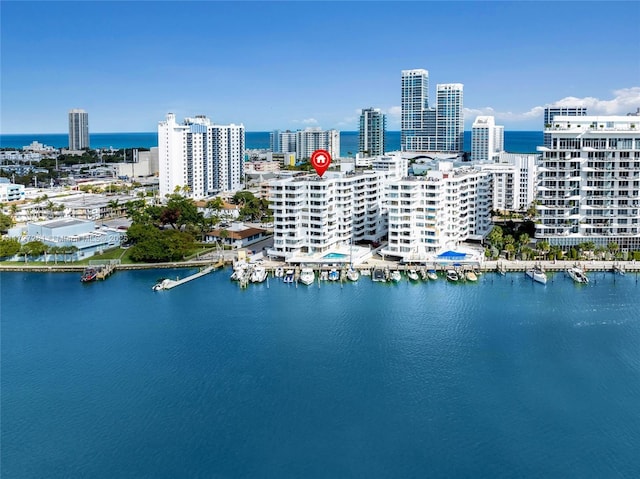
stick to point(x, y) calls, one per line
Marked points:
point(353, 274)
point(432, 274)
point(578, 275)
point(161, 284)
point(259, 274)
point(538, 275)
point(413, 275)
point(471, 276)
point(307, 276)
point(334, 275)
point(452, 275)
point(395, 276)
point(279, 272)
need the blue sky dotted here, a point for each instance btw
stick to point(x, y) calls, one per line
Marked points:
point(295, 64)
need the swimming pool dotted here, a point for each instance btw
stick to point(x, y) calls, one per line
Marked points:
point(334, 256)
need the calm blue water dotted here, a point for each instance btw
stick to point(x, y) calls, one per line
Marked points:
point(500, 379)
point(515, 141)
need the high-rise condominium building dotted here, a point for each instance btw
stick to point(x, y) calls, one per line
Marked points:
point(431, 129)
point(487, 139)
point(551, 112)
point(198, 157)
point(313, 215)
point(514, 178)
point(417, 120)
point(304, 142)
point(78, 129)
point(589, 183)
point(372, 131)
point(437, 211)
point(449, 118)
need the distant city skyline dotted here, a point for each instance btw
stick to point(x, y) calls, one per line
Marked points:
point(134, 62)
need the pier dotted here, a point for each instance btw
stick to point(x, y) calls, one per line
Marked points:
point(170, 283)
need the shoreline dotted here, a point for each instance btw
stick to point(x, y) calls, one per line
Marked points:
point(485, 266)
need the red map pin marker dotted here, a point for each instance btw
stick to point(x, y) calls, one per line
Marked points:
point(320, 160)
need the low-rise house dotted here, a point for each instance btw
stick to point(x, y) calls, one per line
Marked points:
point(237, 235)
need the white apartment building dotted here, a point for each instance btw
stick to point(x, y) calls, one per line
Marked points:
point(314, 214)
point(200, 156)
point(550, 112)
point(312, 139)
point(10, 191)
point(440, 210)
point(589, 182)
point(514, 178)
point(487, 139)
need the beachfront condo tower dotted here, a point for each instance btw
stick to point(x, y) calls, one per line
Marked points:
point(424, 128)
point(372, 131)
point(78, 129)
point(449, 118)
point(550, 112)
point(487, 139)
point(199, 158)
point(589, 183)
point(417, 120)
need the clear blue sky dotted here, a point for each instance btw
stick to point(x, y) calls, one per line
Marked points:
point(294, 64)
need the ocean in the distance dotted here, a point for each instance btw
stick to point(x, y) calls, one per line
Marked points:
point(515, 141)
point(504, 378)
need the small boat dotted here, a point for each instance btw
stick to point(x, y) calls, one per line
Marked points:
point(471, 276)
point(161, 284)
point(578, 275)
point(289, 276)
point(239, 271)
point(334, 275)
point(365, 272)
point(432, 274)
point(537, 274)
point(307, 276)
point(378, 275)
point(259, 274)
point(279, 272)
point(89, 274)
point(395, 276)
point(353, 274)
point(413, 275)
point(452, 275)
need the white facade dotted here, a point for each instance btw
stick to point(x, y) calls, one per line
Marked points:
point(10, 191)
point(449, 117)
point(437, 211)
point(78, 129)
point(312, 139)
point(198, 157)
point(487, 139)
point(551, 112)
point(313, 214)
point(589, 183)
point(514, 178)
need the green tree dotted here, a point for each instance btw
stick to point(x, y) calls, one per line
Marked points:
point(9, 247)
point(6, 222)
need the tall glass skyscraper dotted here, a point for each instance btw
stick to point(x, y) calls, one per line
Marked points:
point(449, 118)
point(372, 131)
point(78, 129)
point(424, 128)
point(416, 122)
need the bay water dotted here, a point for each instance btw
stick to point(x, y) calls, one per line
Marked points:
point(502, 378)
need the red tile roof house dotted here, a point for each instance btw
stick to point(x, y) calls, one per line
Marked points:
point(237, 235)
